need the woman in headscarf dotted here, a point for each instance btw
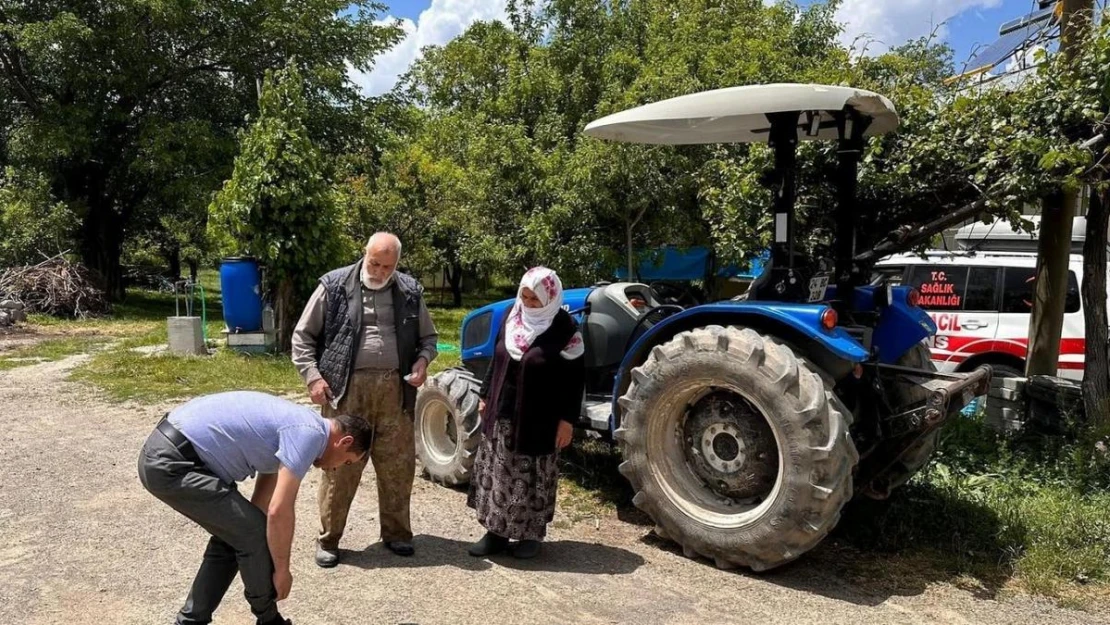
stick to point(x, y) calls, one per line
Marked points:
point(531, 398)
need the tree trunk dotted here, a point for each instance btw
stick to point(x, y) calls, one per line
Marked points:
point(1054, 245)
point(1050, 285)
point(102, 246)
point(631, 223)
point(193, 268)
point(285, 314)
point(173, 257)
point(1096, 377)
point(455, 278)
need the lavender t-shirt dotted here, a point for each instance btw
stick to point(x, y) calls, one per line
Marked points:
point(240, 433)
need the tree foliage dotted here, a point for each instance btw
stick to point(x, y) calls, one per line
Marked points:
point(278, 206)
point(33, 225)
point(130, 107)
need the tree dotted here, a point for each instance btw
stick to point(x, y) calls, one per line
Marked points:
point(536, 82)
point(1075, 92)
point(95, 92)
point(34, 225)
point(1051, 133)
point(1054, 238)
point(432, 192)
point(278, 205)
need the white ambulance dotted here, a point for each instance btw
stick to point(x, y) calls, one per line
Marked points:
point(981, 303)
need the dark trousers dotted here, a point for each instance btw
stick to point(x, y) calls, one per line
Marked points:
point(238, 529)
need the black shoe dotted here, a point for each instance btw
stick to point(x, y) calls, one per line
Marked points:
point(326, 558)
point(400, 547)
point(489, 545)
point(277, 620)
point(526, 549)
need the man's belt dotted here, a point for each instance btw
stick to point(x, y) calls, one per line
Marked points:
point(178, 440)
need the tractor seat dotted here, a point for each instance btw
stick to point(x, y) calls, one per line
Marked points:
point(614, 317)
point(649, 319)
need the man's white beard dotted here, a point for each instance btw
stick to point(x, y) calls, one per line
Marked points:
point(374, 285)
point(377, 286)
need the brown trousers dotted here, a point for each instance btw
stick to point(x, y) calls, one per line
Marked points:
point(376, 397)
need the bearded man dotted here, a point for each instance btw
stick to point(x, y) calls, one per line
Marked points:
point(363, 346)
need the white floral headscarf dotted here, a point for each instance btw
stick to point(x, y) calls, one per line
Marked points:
point(525, 324)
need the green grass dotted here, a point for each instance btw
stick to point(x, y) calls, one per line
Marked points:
point(141, 317)
point(1029, 517)
point(49, 350)
point(140, 321)
point(448, 322)
point(129, 375)
point(589, 484)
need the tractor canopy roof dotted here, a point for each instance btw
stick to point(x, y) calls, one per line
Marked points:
point(739, 115)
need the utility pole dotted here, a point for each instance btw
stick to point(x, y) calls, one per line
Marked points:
point(1057, 216)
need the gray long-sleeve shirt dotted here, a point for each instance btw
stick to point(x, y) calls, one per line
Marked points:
point(378, 349)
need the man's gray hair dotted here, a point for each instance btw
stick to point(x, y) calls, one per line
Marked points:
point(387, 239)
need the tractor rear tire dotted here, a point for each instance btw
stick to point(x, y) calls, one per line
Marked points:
point(799, 458)
point(918, 455)
point(447, 426)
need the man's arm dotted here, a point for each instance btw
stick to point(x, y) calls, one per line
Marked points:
point(280, 519)
point(306, 334)
point(426, 345)
point(263, 490)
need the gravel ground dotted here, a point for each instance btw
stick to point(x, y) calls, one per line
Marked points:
point(82, 542)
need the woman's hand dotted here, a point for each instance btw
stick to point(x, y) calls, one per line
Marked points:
point(565, 435)
point(481, 407)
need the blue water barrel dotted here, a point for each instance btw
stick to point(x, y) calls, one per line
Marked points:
point(241, 286)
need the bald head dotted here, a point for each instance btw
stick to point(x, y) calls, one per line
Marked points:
point(385, 242)
point(383, 251)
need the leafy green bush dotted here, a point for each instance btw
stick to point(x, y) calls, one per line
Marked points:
point(1034, 509)
point(34, 224)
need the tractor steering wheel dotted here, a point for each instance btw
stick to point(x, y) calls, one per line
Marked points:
point(654, 316)
point(675, 294)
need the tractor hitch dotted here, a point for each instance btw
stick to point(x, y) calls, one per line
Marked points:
point(948, 394)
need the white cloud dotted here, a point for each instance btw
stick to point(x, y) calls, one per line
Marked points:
point(883, 24)
point(439, 23)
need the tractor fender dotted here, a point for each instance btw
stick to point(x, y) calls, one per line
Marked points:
point(834, 352)
point(902, 325)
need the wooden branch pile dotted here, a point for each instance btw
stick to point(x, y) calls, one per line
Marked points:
point(55, 287)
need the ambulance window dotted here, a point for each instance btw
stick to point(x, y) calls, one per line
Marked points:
point(888, 275)
point(982, 289)
point(941, 286)
point(1017, 294)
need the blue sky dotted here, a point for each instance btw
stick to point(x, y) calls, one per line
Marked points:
point(967, 24)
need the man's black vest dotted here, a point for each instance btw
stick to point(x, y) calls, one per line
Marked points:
point(335, 354)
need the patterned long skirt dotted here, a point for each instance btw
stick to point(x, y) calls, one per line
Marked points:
point(513, 494)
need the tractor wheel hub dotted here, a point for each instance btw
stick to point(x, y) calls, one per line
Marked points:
point(731, 447)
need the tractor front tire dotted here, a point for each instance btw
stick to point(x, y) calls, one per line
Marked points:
point(736, 448)
point(447, 426)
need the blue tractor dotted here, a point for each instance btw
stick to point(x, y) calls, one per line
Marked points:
point(746, 425)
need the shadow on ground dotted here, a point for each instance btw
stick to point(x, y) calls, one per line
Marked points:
point(593, 465)
point(562, 556)
point(921, 536)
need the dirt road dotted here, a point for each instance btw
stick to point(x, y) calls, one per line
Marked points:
point(82, 542)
